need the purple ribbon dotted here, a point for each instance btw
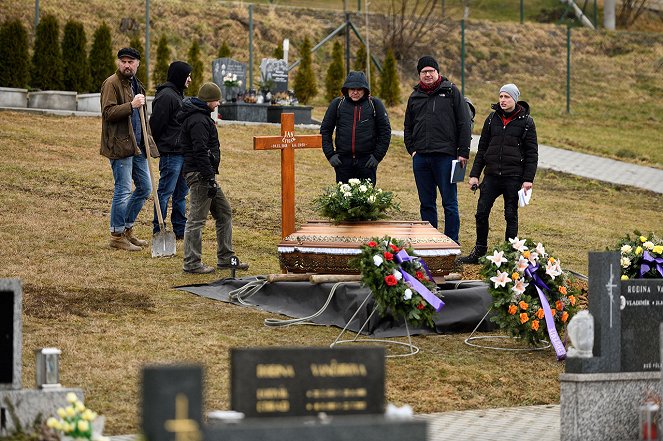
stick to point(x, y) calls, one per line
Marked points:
point(649, 262)
point(432, 299)
point(550, 321)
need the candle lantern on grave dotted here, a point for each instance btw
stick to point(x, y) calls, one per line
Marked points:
point(48, 368)
point(650, 414)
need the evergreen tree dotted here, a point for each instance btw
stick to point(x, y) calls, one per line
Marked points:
point(160, 74)
point(390, 89)
point(76, 76)
point(46, 72)
point(14, 47)
point(360, 65)
point(141, 73)
point(305, 84)
point(102, 59)
point(224, 51)
point(335, 73)
point(278, 52)
point(197, 68)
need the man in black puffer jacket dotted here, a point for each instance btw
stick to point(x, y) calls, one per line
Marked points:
point(363, 132)
point(508, 155)
point(166, 131)
point(200, 145)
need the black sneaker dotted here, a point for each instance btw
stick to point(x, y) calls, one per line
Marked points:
point(231, 263)
point(473, 257)
point(203, 269)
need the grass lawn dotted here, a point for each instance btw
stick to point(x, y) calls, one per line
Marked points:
point(110, 312)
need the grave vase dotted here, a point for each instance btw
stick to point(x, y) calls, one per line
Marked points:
point(231, 94)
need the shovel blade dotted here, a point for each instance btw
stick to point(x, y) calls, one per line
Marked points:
point(163, 244)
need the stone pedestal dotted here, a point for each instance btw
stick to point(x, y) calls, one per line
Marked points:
point(603, 406)
point(11, 97)
point(325, 248)
point(243, 112)
point(52, 99)
point(28, 404)
point(88, 102)
point(302, 113)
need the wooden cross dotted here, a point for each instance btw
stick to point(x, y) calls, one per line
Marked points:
point(287, 143)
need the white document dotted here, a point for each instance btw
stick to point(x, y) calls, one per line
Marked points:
point(524, 197)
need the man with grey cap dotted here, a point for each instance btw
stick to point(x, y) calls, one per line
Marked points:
point(363, 132)
point(437, 131)
point(508, 155)
point(123, 143)
point(199, 139)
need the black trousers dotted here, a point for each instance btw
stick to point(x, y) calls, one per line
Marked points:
point(490, 189)
point(354, 168)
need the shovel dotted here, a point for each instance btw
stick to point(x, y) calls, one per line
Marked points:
point(163, 242)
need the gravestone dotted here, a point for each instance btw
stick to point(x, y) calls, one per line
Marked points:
point(221, 67)
point(276, 71)
point(271, 382)
point(641, 306)
point(172, 402)
point(11, 307)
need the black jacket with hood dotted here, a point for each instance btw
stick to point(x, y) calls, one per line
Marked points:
point(505, 149)
point(167, 102)
point(199, 139)
point(438, 122)
point(362, 127)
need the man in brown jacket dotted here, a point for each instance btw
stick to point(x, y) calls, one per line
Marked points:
point(123, 143)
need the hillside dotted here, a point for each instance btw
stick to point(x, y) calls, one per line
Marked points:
point(616, 77)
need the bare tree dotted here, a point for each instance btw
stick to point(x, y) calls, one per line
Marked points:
point(406, 22)
point(630, 11)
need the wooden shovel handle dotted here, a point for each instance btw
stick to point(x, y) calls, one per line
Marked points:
point(162, 225)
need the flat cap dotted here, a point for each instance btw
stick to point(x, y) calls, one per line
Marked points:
point(128, 52)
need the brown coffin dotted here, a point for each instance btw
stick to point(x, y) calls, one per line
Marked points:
point(325, 248)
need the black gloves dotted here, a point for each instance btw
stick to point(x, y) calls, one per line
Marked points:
point(335, 161)
point(212, 188)
point(372, 162)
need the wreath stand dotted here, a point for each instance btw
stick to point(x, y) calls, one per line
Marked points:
point(471, 339)
point(411, 348)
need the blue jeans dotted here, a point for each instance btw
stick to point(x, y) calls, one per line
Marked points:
point(432, 171)
point(172, 183)
point(127, 204)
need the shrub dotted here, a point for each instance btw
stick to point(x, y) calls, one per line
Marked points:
point(141, 73)
point(14, 47)
point(278, 52)
point(360, 65)
point(160, 74)
point(76, 76)
point(390, 89)
point(197, 71)
point(102, 59)
point(306, 86)
point(46, 72)
point(335, 73)
point(224, 51)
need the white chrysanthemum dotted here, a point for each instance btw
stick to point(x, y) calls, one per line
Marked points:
point(345, 188)
point(397, 274)
point(371, 199)
point(407, 294)
point(363, 188)
point(347, 194)
point(649, 245)
point(377, 260)
point(626, 249)
point(354, 181)
point(625, 262)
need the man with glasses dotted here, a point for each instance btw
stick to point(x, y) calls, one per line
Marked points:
point(166, 132)
point(437, 131)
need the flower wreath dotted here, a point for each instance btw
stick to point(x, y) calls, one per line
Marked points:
point(641, 257)
point(530, 292)
point(401, 284)
point(357, 200)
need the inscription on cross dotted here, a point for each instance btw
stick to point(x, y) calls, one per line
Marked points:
point(287, 143)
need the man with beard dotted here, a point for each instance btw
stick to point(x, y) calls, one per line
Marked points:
point(123, 143)
point(166, 132)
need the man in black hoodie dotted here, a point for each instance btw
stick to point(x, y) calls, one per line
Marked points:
point(363, 132)
point(437, 130)
point(508, 155)
point(200, 146)
point(166, 132)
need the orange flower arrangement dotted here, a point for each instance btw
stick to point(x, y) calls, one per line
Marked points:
point(562, 289)
point(565, 316)
point(513, 309)
point(535, 325)
point(523, 317)
point(540, 313)
point(523, 305)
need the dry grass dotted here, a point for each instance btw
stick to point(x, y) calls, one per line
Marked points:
point(112, 312)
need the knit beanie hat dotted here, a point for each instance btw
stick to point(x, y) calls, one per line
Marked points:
point(427, 61)
point(512, 90)
point(209, 92)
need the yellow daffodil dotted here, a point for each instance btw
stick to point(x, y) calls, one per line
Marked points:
point(70, 411)
point(83, 426)
point(52, 423)
point(643, 239)
point(638, 251)
point(88, 415)
point(658, 249)
point(62, 413)
point(71, 397)
point(80, 407)
point(624, 277)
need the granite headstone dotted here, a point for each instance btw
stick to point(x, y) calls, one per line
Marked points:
point(271, 382)
point(172, 402)
point(641, 314)
point(11, 308)
point(276, 71)
point(228, 68)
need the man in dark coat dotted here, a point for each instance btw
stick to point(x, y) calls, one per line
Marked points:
point(166, 132)
point(363, 132)
point(200, 145)
point(437, 130)
point(508, 156)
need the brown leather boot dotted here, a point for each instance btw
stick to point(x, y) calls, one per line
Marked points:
point(120, 242)
point(129, 234)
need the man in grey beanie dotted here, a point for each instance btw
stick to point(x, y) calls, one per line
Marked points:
point(437, 131)
point(508, 155)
